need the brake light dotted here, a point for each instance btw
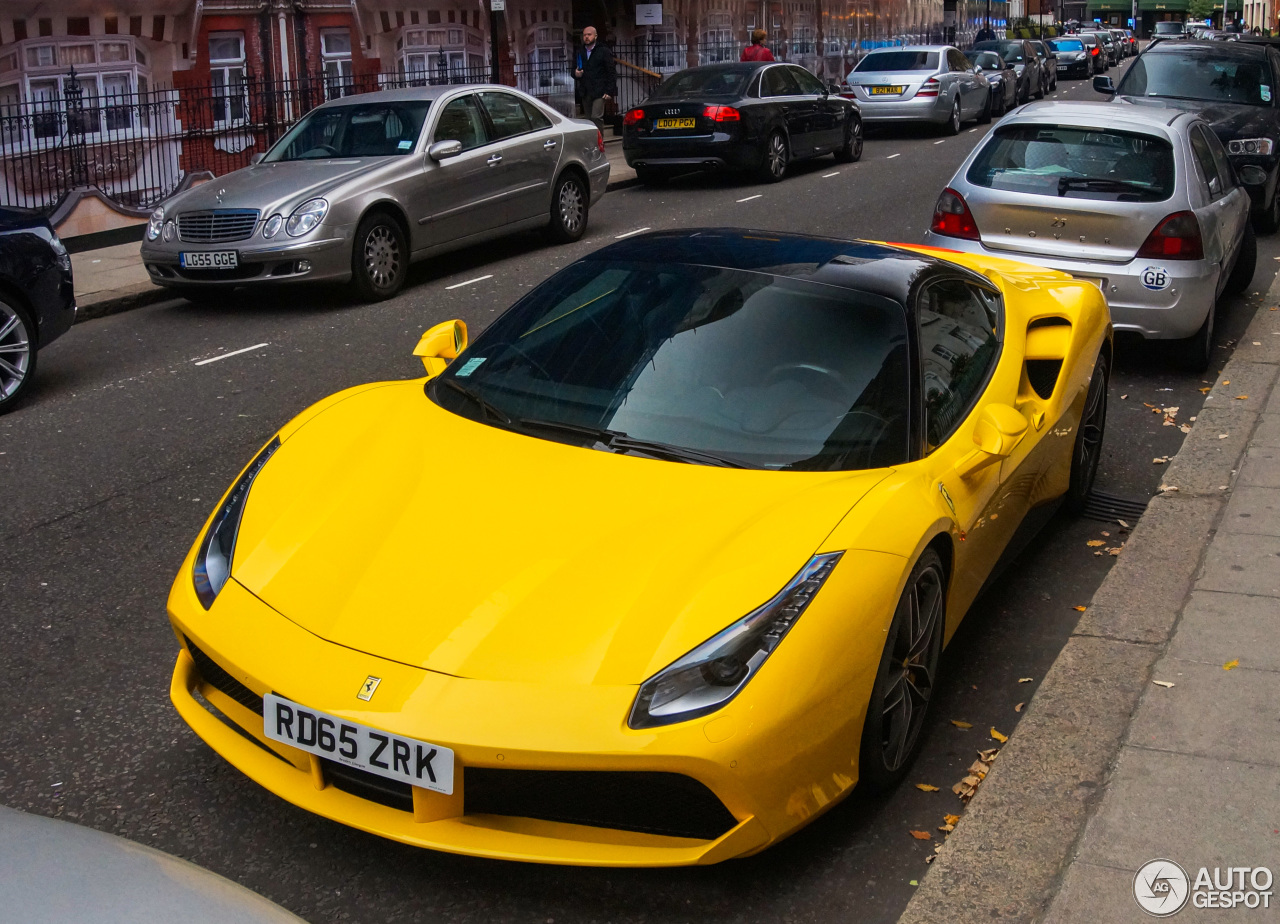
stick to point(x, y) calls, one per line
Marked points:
point(1094, 50)
point(633, 117)
point(930, 87)
point(951, 216)
point(721, 114)
point(1177, 237)
point(599, 141)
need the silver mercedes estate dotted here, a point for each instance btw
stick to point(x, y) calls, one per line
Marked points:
point(1142, 203)
point(362, 186)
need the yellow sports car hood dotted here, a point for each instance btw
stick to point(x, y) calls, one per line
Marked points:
point(389, 525)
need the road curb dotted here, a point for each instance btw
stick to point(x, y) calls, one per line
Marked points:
point(1008, 855)
point(122, 300)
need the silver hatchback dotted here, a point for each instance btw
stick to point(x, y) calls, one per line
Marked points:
point(1143, 204)
point(362, 186)
point(919, 83)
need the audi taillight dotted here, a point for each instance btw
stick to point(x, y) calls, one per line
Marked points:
point(1177, 237)
point(633, 117)
point(930, 87)
point(951, 216)
point(721, 114)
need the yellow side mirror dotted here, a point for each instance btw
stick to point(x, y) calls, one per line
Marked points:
point(440, 345)
point(998, 431)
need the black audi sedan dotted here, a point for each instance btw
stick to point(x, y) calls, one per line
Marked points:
point(1232, 85)
point(37, 299)
point(754, 117)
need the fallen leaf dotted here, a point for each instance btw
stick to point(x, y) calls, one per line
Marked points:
point(1159, 460)
point(1105, 533)
point(1192, 419)
point(913, 882)
point(989, 754)
point(1123, 523)
point(1242, 397)
point(947, 828)
point(971, 781)
point(1018, 708)
point(1231, 665)
point(921, 835)
point(958, 724)
point(1168, 488)
point(979, 768)
point(1114, 552)
point(1094, 543)
point(951, 819)
point(1185, 428)
point(937, 848)
point(1162, 683)
point(1098, 553)
point(999, 737)
point(1025, 679)
point(962, 789)
point(1081, 609)
point(1122, 397)
point(930, 858)
point(995, 516)
point(1205, 391)
point(1223, 436)
point(1226, 381)
point(925, 787)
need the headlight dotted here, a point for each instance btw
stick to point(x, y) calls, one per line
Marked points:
point(714, 672)
point(271, 227)
point(306, 216)
point(1251, 146)
point(213, 557)
point(154, 223)
point(170, 229)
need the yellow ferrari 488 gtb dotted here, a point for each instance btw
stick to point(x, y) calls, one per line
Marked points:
point(656, 569)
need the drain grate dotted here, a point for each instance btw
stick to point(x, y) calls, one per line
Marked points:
point(1111, 507)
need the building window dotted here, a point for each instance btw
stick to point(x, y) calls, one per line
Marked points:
point(226, 74)
point(664, 53)
point(335, 52)
point(41, 56)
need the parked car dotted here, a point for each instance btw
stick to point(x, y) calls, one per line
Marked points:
point(753, 116)
point(1139, 201)
point(1025, 62)
point(1048, 59)
point(1074, 59)
point(750, 483)
point(362, 186)
point(1233, 86)
point(1108, 46)
point(1122, 42)
point(37, 298)
point(1000, 76)
point(934, 84)
point(1131, 40)
point(55, 872)
point(1171, 29)
point(1097, 51)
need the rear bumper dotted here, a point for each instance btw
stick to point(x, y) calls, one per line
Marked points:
point(1170, 313)
point(934, 109)
point(716, 151)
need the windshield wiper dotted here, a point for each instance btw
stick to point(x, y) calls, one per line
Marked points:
point(1099, 184)
point(617, 441)
point(483, 403)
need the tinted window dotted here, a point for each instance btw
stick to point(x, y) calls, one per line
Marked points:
point(778, 81)
point(1169, 28)
point(1013, 52)
point(704, 82)
point(373, 130)
point(759, 370)
point(808, 83)
point(1195, 74)
point(1066, 45)
point(957, 61)
point(899, 61)
point(506, 114)
point(1204, 159)
point(959, 344)
point(1052, 160)
point(1220, 159)
point(987, 60)
point(462, 120)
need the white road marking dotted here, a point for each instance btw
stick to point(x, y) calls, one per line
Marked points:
point(834, 173)
point(459, 285)
point(940, 142)
point(618, 237)
point(214, 359)
point(972, 130)
point(749, 198)
point(892, 156)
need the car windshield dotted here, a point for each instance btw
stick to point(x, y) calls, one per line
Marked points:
point(899, 61)
point(366, 130)
point(987, 60)
point(1066, 44)
point(1076, 163)
point(1169, 28)
point(710, 82)
point(1011, 52)
point(1201, 75)
point(696, 364)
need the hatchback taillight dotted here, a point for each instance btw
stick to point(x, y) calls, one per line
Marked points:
point(1177, 237)
point(633, 117)
point(930, 87)
point(721, 114)
point(951, 216)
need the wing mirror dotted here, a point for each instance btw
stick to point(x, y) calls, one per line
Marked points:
point(1103, 84)
point(444, 149)
point(442, 343)
point(833, 88)
point(998, 431)
point(256, 158)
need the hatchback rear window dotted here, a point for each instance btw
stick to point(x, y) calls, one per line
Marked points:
point(899, 61)
point(1076, 163)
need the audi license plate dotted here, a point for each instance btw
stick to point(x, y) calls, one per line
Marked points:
point(676, 123)
point(209, 259)
point(885, 91)
point(395, 757)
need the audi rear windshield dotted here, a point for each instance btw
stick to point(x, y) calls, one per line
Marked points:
point(893, 61)
point(1201, 74)
point(698, 82)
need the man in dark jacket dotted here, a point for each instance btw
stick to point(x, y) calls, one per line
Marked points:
point(597, 81)
point(985, 34)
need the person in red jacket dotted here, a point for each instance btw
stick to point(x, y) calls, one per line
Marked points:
point(757, 51)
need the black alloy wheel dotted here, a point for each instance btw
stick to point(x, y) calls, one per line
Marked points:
point(776, 156)
point(17, 353)
point(379, 258)
point(906, 678)
point(851, 151)
point(569, 205)
point(1087, 449)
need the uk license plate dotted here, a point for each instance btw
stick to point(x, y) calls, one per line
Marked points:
point(209, 259)
point(395, 757)
point(676, 123)
point(886, 91)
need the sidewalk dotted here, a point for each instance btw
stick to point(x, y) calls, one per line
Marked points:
point(112, 279)
point(1156, 734)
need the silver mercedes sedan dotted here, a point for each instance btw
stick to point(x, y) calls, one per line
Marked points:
point(1143, 204)
point(920, 83)
point(362, 186)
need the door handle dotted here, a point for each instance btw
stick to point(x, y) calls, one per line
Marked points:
point(495, 159)
point(548, 144)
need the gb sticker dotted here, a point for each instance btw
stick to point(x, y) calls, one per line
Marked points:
point(1155, 278)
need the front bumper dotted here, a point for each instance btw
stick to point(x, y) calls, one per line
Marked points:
point(1260, 194)
point(1171, 313)
point(325, 256)
point(934, 109)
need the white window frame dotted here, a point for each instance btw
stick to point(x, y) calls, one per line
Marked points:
point(232, 72)
point(338, 67)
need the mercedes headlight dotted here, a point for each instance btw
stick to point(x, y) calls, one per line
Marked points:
point(717, 670)
point(155, 223)
point(1251, 146)
point(306, 216)
point(213, 557)
point(170, 230)
point(271, 227)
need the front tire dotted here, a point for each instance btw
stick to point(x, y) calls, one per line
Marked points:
point(852, 149)
point(776, 156)
point(379, 258)
point(570, 203)
point(906, 678)
point(1087, 448)
point(17, 353)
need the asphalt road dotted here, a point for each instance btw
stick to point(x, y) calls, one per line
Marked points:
point(108, 471)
